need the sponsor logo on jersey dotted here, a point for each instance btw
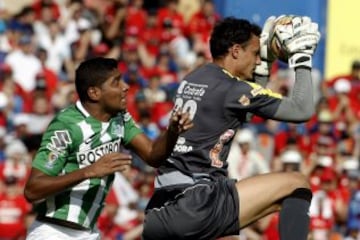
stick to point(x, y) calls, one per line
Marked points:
point(90, 139)
point(181, 140)
point(59, 141)
point(91, 156)
point(181, 147)
point(244, 100)
point(181, 87)
point(194, 91)
point(191, 89)
point(256, 91)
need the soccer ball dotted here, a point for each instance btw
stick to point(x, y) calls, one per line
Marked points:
point(275, 46)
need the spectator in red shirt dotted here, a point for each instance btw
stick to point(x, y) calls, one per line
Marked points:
point(325, 128)
point(167, 69)
point(151, 34)
point(16, 163)
point(291, 133)
point(161, 113)
point(12, 96)
point(13, 210)
point(136, 15)
point(130, 57)
point(136, 101)
point(201, 24)
point(327, 207)
point(321, 105)
point(46, 79)
point(113, 22)
point(348, 177)
point(169, 13)
point(344, 108)
point(353, 77)
point(38, 5)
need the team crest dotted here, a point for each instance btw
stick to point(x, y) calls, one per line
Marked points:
point(52, 157)
point(127, 117)
point(115, 129)
point(244, 100)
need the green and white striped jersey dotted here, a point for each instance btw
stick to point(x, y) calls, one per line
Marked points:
point(74, 140)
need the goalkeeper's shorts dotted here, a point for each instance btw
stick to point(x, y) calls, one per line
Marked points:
point(206, 210)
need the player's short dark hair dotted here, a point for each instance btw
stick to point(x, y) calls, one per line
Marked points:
point(93, 72)
point(230, 31)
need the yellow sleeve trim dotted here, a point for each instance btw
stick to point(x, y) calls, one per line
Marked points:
point(256, 88)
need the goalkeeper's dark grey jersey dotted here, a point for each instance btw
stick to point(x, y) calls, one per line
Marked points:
point(74, 140)
point(219, 104)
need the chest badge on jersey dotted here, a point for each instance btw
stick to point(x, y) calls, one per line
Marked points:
point(244, 100)
point(116, 129)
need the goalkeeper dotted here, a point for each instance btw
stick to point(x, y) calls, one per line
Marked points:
point(193, 197)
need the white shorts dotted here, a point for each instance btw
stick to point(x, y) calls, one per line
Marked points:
point(44, 231)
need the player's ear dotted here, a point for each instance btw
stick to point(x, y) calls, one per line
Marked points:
point(94, 93)
point(235, 50)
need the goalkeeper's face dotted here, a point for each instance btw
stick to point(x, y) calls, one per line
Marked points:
point(247, 58)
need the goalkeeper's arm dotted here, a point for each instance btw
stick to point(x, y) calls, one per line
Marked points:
point(299, 106)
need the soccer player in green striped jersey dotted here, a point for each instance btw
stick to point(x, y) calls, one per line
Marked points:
point(81, 150)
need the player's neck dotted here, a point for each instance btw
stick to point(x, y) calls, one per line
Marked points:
point(96, 112)
point(226, 64)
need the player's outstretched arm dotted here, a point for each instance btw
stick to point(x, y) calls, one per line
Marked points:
point(41, 185)
point(155, 152)
point(299, 106)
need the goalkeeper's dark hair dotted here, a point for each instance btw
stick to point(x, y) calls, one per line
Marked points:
point(92, 72)
point(231, 31)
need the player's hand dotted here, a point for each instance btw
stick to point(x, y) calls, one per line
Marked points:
point(300, 40)
point(304, 42)
point(109, 164)
point(302, 47)
point(180, 122)
point(299, 35)
point(266, 56)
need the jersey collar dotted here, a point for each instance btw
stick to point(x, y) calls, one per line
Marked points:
point(230, 75)
point(81, 108)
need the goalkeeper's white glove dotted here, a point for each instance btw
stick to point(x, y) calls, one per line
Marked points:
point(299, 40)
point(266, 56)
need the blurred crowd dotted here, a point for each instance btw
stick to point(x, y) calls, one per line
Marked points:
point(156, 45)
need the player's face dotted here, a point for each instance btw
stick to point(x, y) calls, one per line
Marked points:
point(113, 93)
point(249, 57)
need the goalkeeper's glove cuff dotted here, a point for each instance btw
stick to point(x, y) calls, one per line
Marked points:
point(263, 69)
point(300, 60)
